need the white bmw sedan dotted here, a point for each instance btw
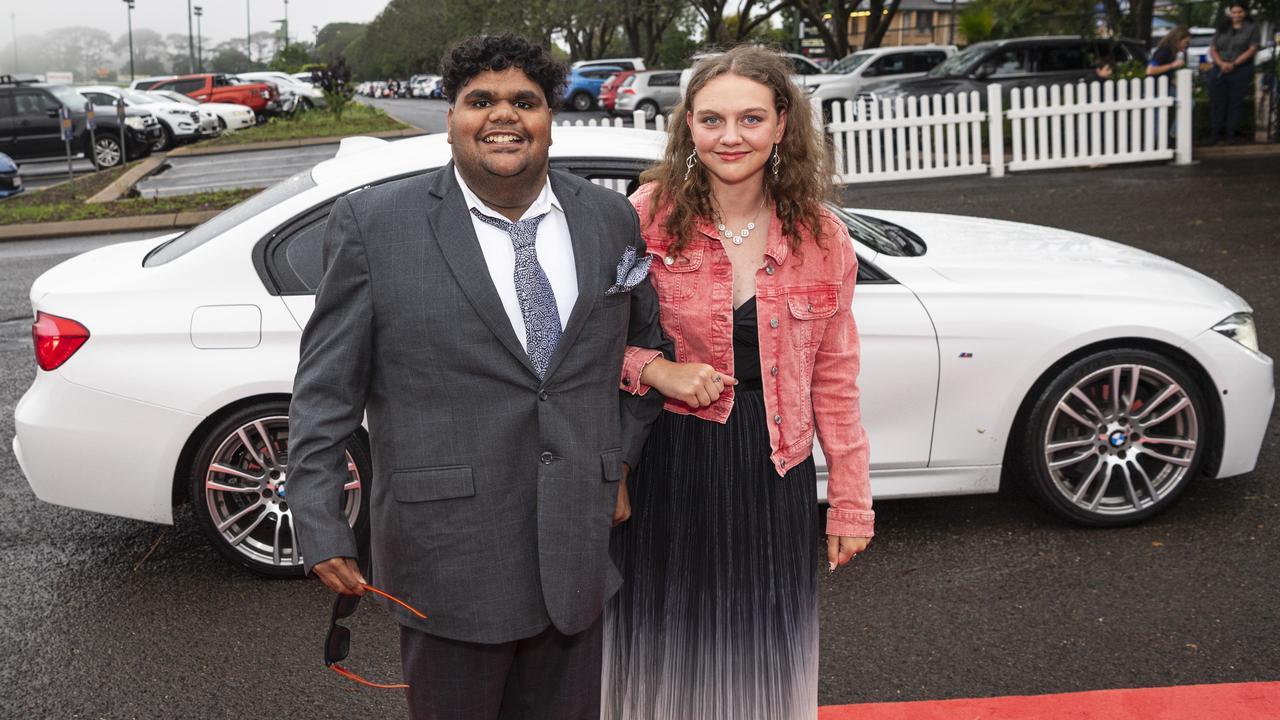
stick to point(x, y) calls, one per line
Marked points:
point(1101, 377)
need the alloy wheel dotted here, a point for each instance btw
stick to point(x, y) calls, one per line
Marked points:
point(1121, 439)
point(106, 152)
point(245, 491)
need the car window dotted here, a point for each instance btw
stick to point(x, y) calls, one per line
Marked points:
point(628, 81)
point(804, 67)
point(849, 63)
point(963, 62)
point(888, 65)
point(98, 98)
point(183, 86)
point(1011, 61)
point(32, 104)
point(924, 61)
point(664, 80)
point(1061, 58)
point(228, 219)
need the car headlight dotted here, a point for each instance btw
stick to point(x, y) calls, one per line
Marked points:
point(1240, 327)
point(810, 89)
point(136, 123)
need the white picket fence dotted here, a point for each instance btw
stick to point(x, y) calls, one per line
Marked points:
point(1076, 125)
point(1050, 127)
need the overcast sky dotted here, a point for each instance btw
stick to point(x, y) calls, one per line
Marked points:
point(223, 19)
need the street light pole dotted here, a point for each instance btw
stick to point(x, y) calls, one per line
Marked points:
point(191, 39)
point(130, 11)
point(13, 24)
point(248, 39)
point(286, 24)
point(199, 38)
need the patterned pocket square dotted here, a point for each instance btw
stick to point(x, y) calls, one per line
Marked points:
point(631, 270)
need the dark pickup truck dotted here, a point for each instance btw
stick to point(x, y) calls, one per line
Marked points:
point(30, 128)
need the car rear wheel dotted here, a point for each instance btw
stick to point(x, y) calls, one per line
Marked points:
point(106, 151)
point(166, 139)
point(222, 124)
point(239, 489)
point(1115, 438)
point(581, 101)
point(649, 108)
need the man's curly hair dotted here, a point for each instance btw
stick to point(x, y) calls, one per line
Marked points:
point(478, 54)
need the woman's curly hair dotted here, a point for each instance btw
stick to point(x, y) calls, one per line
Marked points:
point(482, 53)
point(804, 179)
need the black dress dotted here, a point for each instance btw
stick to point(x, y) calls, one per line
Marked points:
point(717, 615)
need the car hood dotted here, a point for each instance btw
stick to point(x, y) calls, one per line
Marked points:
point(922, 86)
point(1002, 256)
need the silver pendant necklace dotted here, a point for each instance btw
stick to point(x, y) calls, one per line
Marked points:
point(738, 237)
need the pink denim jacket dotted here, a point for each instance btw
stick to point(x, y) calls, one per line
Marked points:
point(809, 354)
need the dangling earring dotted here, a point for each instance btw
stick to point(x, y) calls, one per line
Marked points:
point(777, 160)
point(689, 162)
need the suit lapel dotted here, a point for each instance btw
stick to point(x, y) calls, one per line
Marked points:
point(456, 236)
point(584, 234)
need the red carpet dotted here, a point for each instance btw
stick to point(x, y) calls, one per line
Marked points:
point(1233, 701)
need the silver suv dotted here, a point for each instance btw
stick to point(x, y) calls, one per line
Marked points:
point(843, 80)
point(653, 91)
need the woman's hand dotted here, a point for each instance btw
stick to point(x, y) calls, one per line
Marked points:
point(694, 384)
point(841, 550)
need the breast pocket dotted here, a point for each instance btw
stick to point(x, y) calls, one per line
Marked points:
point(811, 309)
point(675, 277)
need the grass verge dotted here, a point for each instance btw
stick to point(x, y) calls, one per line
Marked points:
point(357, 119)
point(67, 202)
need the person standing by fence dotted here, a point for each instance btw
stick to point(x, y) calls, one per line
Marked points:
point(1166, 57)
point(1232, 51)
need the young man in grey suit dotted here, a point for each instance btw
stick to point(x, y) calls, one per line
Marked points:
point(479, 315)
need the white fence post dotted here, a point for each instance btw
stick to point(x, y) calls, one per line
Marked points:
point(995, 129)
point(1182, 155)
point(637, 117)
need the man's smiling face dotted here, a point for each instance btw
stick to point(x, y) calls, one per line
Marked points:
point(500, 128)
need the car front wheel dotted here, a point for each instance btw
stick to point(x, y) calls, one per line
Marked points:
point(239, 490)
point(106, 151)
point(1115, 438)
point(649, 108)
point(165, 141)
point(581, 101)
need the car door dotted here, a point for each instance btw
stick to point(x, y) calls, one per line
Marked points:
point(1062, 63)
point(37, 131)
point(665, 87)
point(1011, 68)
point(6, 122)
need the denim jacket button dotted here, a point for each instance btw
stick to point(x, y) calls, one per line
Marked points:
point(668, 260)
point(777, 419)
point(768, 269)
point(773, 323)
point(772, 371)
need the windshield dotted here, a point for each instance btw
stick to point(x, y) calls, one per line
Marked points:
point(850, 63)
point(201, 234)
point(173, 97)
point(962, 62)
point(68, 97)
point(138, 98)
point(881, 236)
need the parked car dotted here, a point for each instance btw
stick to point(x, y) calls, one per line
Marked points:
point(582, 87)
point(990, 350)
point(305, 94)
point(652, 91)
point(842, 80)
point(801, 67)
point(10, 177)
point(217, 87)
point(609, 90)
point(147, 83)
point(228, 116)
point(1012, 64)
point(30, 128)
point(179, 123)
point(632, 63)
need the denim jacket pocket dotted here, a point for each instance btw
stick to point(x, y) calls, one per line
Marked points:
point(811, 307)
point(675, 277)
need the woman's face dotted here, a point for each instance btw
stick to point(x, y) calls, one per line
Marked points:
point(735, 125)
point(1184, 43)
point(1237, 14)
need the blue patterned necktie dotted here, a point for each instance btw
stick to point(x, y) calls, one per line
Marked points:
point(533, 290)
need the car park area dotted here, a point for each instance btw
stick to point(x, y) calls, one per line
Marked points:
point(1004, 597)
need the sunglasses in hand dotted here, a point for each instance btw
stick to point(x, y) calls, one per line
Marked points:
point(337, 644)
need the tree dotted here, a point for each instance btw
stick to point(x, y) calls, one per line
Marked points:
point(292, 58)
point(1131, 20)
point(832, 26)
point(1018, 18)
point(81, 49)
point(229, 60)
point(333, 40)
point(878, 22)
point(645, 24)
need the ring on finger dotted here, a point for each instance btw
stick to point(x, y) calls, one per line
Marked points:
point(716, 379)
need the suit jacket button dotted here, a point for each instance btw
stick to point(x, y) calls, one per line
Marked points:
point(626, 381)
point(544, 395)
point(546, 458)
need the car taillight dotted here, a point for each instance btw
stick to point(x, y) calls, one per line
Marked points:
point(628, 91)
point(56, 339)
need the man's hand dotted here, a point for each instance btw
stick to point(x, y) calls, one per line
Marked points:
point(841, 550)
point(694, 384)
point(341, 575)
point(622, 510)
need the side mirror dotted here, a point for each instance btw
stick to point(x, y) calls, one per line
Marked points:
point(984, 71)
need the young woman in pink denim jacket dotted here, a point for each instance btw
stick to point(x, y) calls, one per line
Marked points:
point(717, 616)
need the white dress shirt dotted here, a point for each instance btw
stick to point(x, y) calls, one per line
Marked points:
point(554, 248)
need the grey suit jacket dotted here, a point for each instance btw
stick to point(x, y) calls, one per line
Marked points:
point(493, 491)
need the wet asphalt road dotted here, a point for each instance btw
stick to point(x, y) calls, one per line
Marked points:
point(109, 618)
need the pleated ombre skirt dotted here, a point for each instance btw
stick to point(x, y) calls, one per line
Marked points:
point(717, 617)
